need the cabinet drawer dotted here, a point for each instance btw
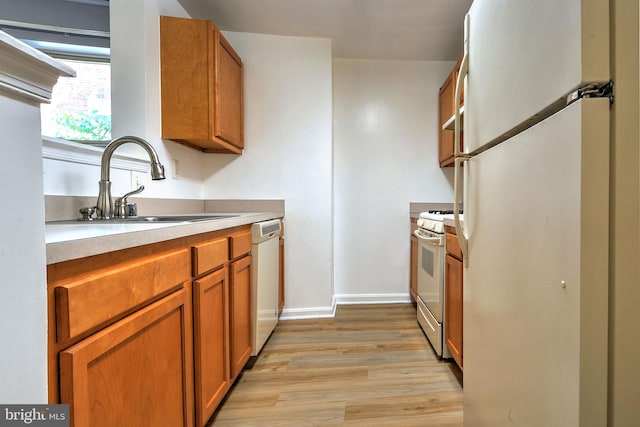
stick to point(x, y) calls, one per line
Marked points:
point(240, 244)
point(209, 255)
point(107, 294)
point(453, 246)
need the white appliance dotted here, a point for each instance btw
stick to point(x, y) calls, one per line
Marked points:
point(266, 263)
point(536, 230)
point(431, 297)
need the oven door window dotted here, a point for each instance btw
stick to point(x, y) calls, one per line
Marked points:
point(427, 261)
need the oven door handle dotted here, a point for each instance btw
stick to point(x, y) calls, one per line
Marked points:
point(436, 241)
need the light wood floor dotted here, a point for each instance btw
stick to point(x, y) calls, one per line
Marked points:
point(371, 365)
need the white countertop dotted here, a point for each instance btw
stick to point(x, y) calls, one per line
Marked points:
point(448, 220)
point(78, 240)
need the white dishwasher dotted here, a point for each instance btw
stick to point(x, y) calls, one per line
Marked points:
point(266, 264)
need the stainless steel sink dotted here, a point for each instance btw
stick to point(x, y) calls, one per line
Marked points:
point(146, 219)
point(174, 218)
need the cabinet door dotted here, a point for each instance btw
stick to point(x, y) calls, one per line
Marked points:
point(229, 110)
point(453, 316)
point(185, 73)
point(138, 371)
point(413, 267)
point(211, 342)
point(281, 279)
point(201, 86)
point(445, 108)
point(240, 318)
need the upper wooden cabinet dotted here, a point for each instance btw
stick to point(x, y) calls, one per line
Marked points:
point(446, 110)
point(202, 86)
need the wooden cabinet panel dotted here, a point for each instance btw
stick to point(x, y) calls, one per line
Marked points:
point(446, 109)
point(184, 69)
point(229, 96)
point(453, 312)
point(453, 245)
point(211, 342)
point(209, 255)
point(240, 244)
point(413, 268)
point(240, 317)
point(201, 86)
point(87, 302)
point(413, 261)
point(112, 378)
point(132, 335)
point(281, 279)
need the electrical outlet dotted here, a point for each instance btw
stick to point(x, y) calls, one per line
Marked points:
point(138, 179)
point(175, 173)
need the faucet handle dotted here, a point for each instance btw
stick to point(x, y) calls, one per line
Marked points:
point(87, 212)
point(132, 209)
point(121, 204)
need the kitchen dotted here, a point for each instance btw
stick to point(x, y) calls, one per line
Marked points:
point(302, 89)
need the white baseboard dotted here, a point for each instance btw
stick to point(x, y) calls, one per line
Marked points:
point(328, 312)
point(309, 313)
point(372, 298)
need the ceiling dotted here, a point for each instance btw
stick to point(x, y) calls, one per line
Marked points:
point(429, 30)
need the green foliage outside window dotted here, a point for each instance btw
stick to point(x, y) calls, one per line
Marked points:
point(80, 108)
point(83, 126)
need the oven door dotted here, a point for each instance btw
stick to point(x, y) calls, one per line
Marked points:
point(431, 271)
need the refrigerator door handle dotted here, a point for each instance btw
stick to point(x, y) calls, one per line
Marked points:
point(459, 155)
point(462, 237)
point(457, 127)
point(462, 73)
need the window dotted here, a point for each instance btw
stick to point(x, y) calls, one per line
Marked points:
point(80, 108)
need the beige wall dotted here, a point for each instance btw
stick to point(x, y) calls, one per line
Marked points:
point(624, 296)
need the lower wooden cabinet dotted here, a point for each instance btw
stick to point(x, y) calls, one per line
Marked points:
point(453, 273)
point(153, 335)
point(112, 377)
point(453, 318)
point(240, 316)
point(281, 277)
point(211, 342)
point(413, 263)
point(413, 266)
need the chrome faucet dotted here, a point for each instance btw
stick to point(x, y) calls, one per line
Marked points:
point(105, 202)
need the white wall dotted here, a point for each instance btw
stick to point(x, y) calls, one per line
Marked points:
point(385, 156)
point(287, 156)
point(135, 92)
point(287, 140)
point(385, 143)
point(135, 89)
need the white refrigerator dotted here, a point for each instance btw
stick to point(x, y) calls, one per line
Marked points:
point(536, 195)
